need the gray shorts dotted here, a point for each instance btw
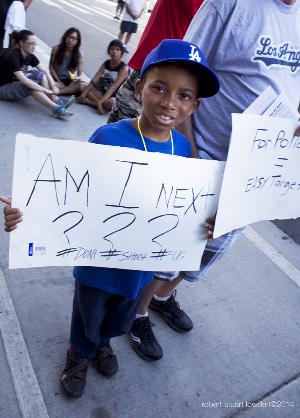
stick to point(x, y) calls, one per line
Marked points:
point(16, 90)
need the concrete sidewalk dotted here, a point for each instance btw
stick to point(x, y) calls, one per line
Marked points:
point(241, 359)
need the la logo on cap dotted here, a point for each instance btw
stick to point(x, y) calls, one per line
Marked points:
point(194, 55)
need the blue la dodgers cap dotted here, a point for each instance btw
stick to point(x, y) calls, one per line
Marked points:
point(177, 50)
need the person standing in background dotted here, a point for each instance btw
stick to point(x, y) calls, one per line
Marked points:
point(246, 62)
point(4, 6)
point(119, 9)
point(13, 18)
point(129, 24)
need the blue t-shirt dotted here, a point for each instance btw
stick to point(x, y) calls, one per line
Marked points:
point(127, 283)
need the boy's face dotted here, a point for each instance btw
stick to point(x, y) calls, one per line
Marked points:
point(169, 95)
point(115, 52)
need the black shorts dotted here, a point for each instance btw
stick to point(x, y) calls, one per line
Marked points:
point(129, 27)
point(66, 81)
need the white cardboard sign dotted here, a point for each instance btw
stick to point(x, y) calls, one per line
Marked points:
point(88, 204)
point(262, 177)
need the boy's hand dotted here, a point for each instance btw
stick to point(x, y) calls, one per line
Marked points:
point(209, 226)
point(12, 216)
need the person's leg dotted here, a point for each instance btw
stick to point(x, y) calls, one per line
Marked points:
point(127, 105)
point(108, 105)
point(123, 29)
point(43, 99)
point(122, 5)
point(89, 306)
point(127, 38)
point(148, 294)
point(166, 288)
point(40, 78)
point(119, 9)
point(159, 295)
point(117, 321)
point(73, 88)
point(131, 27)
point(50, 101)
point(141, 336)
point(94, 96)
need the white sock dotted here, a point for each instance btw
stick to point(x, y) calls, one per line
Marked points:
point(141, 315)
point(161, 298)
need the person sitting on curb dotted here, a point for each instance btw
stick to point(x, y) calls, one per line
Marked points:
point(66, 63)
point(17, 81)
point(106, 299)
point(101, 90)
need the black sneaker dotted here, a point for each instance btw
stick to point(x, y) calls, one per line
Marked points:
point(175, 317)
point(73, 378)
point(143, 340)
point(106, 361)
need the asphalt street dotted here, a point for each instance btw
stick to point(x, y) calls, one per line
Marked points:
point(242, 358)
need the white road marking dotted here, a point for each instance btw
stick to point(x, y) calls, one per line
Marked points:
point(51, 3)
point(30, 398)
point(113, 35)
point(75, 7)
point(281, 262)
point(94, 9)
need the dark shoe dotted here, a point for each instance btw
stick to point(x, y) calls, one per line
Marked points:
point(143, 340)
point(73, 378)
point(175, 317)
point(106, 361)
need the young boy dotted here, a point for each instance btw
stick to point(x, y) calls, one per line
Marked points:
point(173, 76)
point(101, 90)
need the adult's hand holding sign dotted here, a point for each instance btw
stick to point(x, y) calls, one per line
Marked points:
point(88, 204)
point(261, 178)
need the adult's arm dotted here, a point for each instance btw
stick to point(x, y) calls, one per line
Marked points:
point(186, 128)
point(27, 3)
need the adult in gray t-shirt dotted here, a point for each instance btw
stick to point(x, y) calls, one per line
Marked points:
point(250, 45)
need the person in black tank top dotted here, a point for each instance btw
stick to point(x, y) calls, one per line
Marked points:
point(100, 92)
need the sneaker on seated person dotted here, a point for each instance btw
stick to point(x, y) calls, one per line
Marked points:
point(61, 112)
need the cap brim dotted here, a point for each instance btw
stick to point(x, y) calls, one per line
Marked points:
point(209, 84)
